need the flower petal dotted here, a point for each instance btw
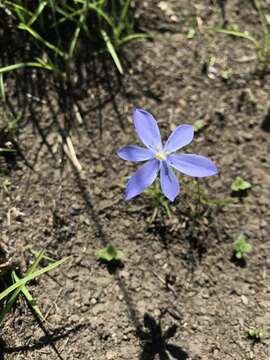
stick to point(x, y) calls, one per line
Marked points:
point(142, 178)
point(193, 165)
point(180, 137)
point(135, 153)
point(168, 181)
point(147, 129)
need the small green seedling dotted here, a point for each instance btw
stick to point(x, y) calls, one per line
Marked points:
point(256, 333)
point(227, 74)
point(240, 184)
point(218, 203)
point(159, 201)
point(241, 247)
point(5, 184)
point(109, 253)
point(199, 125)
point(191, 33)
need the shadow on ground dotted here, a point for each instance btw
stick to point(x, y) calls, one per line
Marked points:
point(156, 342)
point(266, 122)
point(50, 338)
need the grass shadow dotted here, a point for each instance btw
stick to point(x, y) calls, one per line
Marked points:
point(49, 339)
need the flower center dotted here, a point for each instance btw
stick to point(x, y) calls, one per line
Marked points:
point(161, 156)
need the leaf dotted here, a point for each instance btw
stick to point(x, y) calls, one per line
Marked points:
point(227, 74)
point(241, 247)
point(39, 38)
point(199, 125)
point(191, 33)
point(238, 255)
point(135, 36)
point(241, 34)
point(20, 286)
point(267, 18)
point(29, 297)
point(6, 150)
point(112, 51)
point(218, 203)
point(2, 87)
point(240, 184)
point(256, 333)
point(109, 253)
point(19, 66)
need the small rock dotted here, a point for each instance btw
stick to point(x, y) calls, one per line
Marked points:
point(248, 136)
point(93, 301)
point(244, 299)
point(75, 210)
point(100, 169)
point(109, 355)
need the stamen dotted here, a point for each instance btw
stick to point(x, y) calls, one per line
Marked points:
point(160, 156)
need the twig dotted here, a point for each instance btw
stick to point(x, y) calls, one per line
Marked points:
point(165, 283)
point(70, 152)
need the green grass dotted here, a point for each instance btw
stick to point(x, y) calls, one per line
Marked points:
point(261, 43)
point(58, 29)
point(19, 286)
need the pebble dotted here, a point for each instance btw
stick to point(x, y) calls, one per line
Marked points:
point(109, 355)
point(100, 169)
point(75, 210)
point(93, 301)
point(248, 136)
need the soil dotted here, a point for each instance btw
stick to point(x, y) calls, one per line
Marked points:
point(176, 271)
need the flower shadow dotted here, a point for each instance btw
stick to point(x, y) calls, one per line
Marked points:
point(266, 122)
point(155, 341)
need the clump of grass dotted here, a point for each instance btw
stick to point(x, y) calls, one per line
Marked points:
point(19, 286)
point(57, 29)
point(261, 43)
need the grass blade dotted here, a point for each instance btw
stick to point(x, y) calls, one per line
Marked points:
point(135, 36)
point(112, 51)
point(38, 64)
point(29, 298)
point(122, 21)
point(40, 8)
point(2, 87)
point(16, 293)
point(36, 36)
point(32, 276)
point(19, 10)
point(239, 34)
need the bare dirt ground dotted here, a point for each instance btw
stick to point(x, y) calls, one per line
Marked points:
point(177, 271)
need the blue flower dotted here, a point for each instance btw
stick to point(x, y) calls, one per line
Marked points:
point(162, 159)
